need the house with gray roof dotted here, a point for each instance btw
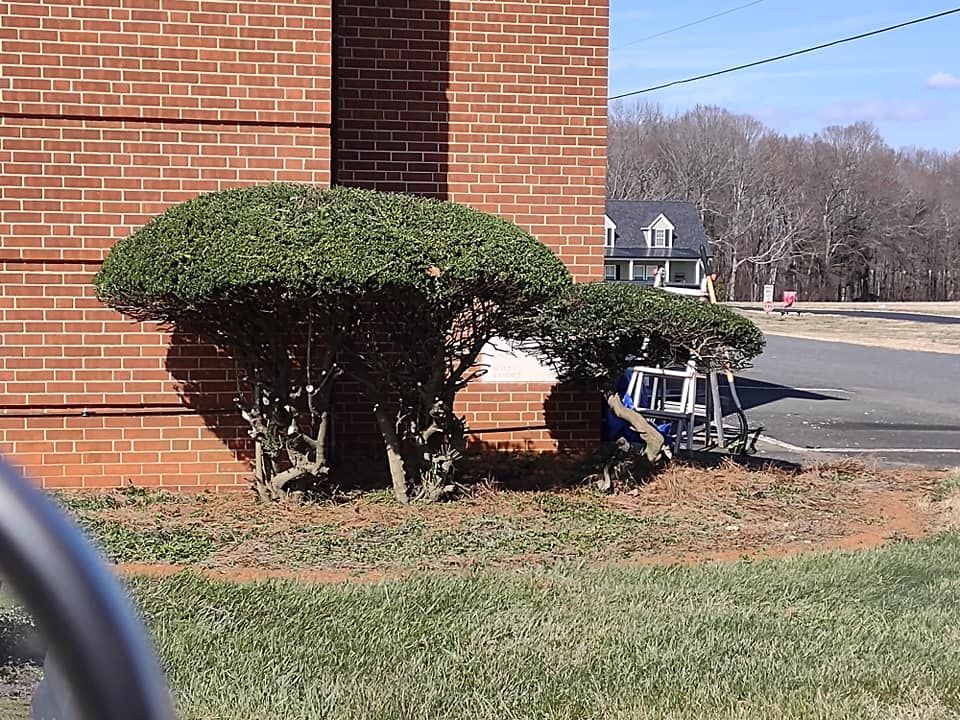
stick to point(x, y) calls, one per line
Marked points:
point(643, 235)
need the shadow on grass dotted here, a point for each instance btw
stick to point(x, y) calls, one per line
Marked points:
point(706, 460)
point(523, 470)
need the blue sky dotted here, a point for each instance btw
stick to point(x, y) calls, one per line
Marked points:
point(906, 82)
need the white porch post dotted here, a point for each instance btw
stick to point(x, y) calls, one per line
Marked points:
point(630, 277)
point(666, 272)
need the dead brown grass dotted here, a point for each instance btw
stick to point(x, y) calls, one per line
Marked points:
point(928, 308)
point(836, 505)
point(944, 504)
point(872, 332)
point(687, 514)
point(14, 709)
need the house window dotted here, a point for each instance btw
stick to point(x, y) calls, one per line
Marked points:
point(609, 237)
point(660, 237)
point(611, 272)
point(644, 272)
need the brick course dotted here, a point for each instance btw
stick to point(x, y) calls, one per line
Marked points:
point(112, 110)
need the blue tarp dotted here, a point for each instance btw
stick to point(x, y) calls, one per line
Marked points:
point(613, 428)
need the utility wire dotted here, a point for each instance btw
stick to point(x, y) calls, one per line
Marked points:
point(789, 55)
point(684, 27)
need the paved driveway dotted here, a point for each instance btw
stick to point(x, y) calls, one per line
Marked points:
point(817, 398)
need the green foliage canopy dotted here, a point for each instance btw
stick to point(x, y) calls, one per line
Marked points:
point(301, 285)
point(593, 328)
point(306, 242)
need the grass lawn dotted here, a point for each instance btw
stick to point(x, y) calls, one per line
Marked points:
point(554, 604)
point(870, 634)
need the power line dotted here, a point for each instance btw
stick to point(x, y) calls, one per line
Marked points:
point(684, 27)
point(789, 55)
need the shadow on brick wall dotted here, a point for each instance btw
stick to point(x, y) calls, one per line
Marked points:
point(207, 383)
point(572, 418)
point(572, 414)
point(391, 114)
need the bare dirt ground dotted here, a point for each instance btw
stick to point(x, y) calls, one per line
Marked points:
point(687, 515)
point(869, 331)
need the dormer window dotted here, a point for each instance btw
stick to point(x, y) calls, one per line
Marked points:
point(661, 237)
point(609, 239)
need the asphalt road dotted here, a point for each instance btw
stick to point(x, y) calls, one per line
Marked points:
point(894, 405)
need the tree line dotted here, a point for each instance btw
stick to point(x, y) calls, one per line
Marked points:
point(839, 215)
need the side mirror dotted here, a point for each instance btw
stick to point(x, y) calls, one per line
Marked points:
point(102, 650)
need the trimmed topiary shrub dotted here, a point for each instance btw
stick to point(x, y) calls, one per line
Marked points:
point(458, 278)
point(593, 332)
point(301, 285)
point(590, 331)
point(239, 269)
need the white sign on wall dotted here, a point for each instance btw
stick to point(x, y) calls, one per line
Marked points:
point(506, 364)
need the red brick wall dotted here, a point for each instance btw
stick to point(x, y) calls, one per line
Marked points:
point(497, 105)
point(111, 110)
point(527, 140)
point(527, 111)
point(391, 79)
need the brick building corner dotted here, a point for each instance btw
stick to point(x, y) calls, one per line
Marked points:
point(111, 111)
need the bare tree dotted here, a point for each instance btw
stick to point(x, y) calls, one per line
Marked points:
point(836, 215)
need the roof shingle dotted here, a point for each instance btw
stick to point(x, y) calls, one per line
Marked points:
point(631, 216)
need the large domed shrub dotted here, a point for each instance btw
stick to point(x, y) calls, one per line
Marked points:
point(301, 285)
